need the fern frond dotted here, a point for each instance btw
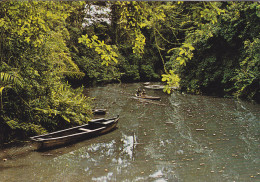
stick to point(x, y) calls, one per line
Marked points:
point(6, 79)
point(72, 64)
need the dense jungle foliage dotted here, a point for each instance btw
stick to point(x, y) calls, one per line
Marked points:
point(50, 50)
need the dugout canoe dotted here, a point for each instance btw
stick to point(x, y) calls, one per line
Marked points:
point(154, 87)
point(59, 138)
point(159, 87)
point(99, 111)
point(147, 97)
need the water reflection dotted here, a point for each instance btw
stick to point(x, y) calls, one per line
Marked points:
point(180, 138)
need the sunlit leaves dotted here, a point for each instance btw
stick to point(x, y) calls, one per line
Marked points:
point(172, 81)
point(249, 69)
point(211, 12)
point(135, 16)
point(1, 90)
point(35, 58)
point(139, 43)
point(28, 21)
point(199, 26)
point(107, 52)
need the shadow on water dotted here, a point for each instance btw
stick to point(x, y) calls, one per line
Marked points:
point(180, 138)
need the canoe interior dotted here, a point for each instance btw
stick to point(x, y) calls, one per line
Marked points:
point(68, 132)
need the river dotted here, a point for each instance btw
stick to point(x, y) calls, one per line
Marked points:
point(182, 138)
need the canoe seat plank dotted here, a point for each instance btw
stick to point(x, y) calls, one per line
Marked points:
point(88, 130)
point(84, 129)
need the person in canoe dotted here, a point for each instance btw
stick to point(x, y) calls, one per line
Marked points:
point(143, 93)
point(138, 92)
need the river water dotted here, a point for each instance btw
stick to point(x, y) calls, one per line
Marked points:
point(180, 138)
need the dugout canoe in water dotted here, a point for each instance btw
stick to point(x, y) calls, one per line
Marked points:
point(154, 87)
point(147, 97)
point(93, 128)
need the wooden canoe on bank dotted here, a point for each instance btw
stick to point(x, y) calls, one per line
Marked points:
point(71, 135)
point(147, 97)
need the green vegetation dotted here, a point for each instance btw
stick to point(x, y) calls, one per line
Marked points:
point(227, 62)
point(35, 97)
point(47, 47)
